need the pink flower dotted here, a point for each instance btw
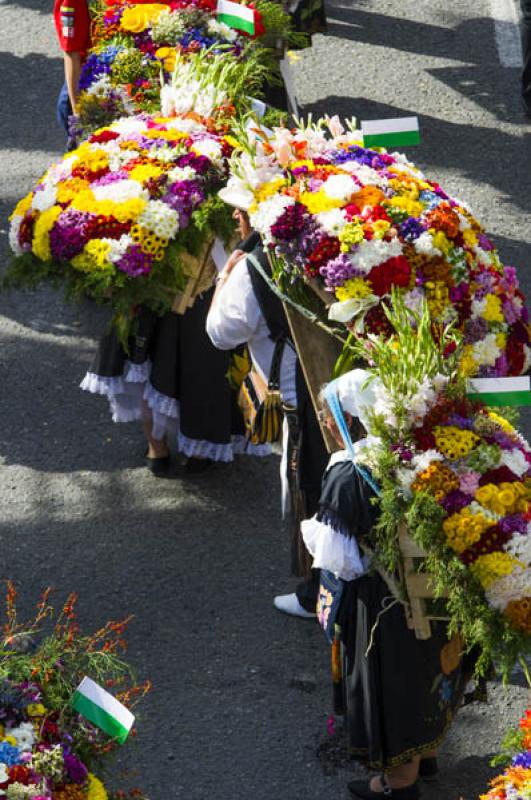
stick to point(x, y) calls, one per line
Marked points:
point(469, 482)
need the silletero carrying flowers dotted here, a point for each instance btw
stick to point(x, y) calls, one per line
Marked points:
point(515, 781)
point(47, 750)
point(357, 223)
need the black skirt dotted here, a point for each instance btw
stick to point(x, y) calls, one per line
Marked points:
point(174, 377)
point(402, 695)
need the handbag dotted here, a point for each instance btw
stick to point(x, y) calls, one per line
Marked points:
point(260, 402)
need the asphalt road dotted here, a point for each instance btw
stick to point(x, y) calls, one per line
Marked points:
point(241, 695)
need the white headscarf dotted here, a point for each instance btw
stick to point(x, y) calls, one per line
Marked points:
point(355, 398)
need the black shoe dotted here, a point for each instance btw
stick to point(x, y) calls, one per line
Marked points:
point(162, 467)
point(196, 466)
point(361, 790)
point(429, 769)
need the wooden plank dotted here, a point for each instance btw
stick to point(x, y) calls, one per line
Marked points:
point(318, 353)
point(409, 548)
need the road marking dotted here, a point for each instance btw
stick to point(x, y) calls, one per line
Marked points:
point(507, 32)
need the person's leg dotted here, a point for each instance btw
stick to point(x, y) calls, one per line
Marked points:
point(307, 591)
point(526, 48)
point(63, 108)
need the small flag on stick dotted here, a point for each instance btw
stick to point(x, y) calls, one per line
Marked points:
point(399, 132)
point(501, 391)
point(103, 710)
point(237, 16)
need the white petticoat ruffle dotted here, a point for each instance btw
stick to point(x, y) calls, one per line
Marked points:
point(132, 398)
point(331, 550)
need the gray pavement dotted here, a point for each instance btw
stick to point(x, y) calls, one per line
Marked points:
point(241, 695)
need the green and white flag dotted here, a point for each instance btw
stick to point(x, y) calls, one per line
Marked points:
point(501, 391)
point(236, 16)
point(103, 710)
point(389, 133)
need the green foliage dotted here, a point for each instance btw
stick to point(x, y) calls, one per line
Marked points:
point(128, 66)
point(279, 26)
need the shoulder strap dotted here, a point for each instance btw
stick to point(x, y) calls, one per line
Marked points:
point(270, 305)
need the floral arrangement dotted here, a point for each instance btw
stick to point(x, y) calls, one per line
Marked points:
point(136, 45)
point(114, 217)
point(515, 782)
point(459, 474)
point(48, 751)
point(355, 223)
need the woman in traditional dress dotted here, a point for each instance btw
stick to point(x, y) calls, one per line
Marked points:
point(400, 693)
point(175, 382)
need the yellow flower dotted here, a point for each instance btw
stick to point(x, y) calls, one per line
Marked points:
point(84, 201)
point(10, 740)
point(41, 239)
point(269, 189)
point(233, 142)
point(145, 172)
point(453, 442)
point(464, 529)
point(22, 206)
point(440, 241)
point(67, 190)
point(380, 228)
point(404, 203)
point(353, 288)
point(137, 18)
point(94, 257)
point(506, 498)
point(470, 237)
point(490, 567)
point(504, 425)
point(36, 710)
point(493, 310)
point(317, 202)
point(96, 789)
point(351, 234)
point(468, 365)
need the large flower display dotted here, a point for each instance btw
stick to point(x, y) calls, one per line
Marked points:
point(47, 750)
point(357, 222)
point(460, 475)
point(114, 217)
point(515, 781)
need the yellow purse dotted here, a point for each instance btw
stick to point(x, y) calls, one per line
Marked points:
point(260, 402)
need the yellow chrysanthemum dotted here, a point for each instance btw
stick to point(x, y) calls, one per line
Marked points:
point(170, 136)
point(96, 789)
point(145, 172)
point(464, 529)
point(505, 498)
point(41, 239)
point(67, 190)
point(468, 366)
point(351, 235)
point(317, 202)
point(95, 257)
point(504, 425)
point(353, 288)
point(84, 201)
point(269, 189)
point(405, 203)
point(491, 567)
point(380, 228)
point(493, 309)
point(453, 442)
point(440, 241)
point(22, 206)
point(36, 710)
point(470, 237)
point(233, 142)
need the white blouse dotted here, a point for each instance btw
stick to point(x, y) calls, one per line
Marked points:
point(235, 318)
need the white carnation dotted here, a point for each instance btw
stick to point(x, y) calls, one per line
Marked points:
point(44, 198)
point(515, 586)
point(267, 214)
point(118, 247)
point(339, 187)
point(370, 253)
point(519, 546)
point(486, 352)
point(515, 460)
point(332, 221)
point(120, 191)
point(159, 218)
point(424, 244)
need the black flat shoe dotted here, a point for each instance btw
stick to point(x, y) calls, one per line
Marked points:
point(429, 769)
point(361, 790)
point(162, 467)
point(196, 466)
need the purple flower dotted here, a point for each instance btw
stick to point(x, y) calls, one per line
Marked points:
point(522, 760)
point(368, 157)
point(476, 330)
point(411, 229)
point(458, 293)
point(201, 164)
point(484, 242)
point(135, 262)
point(511, 311)
point(111, 177)
point(337, 271)
point(455, 501)
point(70, 234)
point(289, 224)
point(513, 522)
point(75, 768)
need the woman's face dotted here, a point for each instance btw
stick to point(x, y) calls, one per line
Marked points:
point(329, 422)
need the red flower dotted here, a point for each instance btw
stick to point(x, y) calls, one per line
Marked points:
point(515, 355)
point(393, 272)
point(327, 249)
point(425, 439)
point(374, 213)
point(104, 136)
point(499, 475)
point(449, 349)
point(376, 322)
point(352, 210)
point(492, 540)
point(19, 774)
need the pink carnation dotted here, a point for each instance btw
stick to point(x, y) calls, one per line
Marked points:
point(469, 482)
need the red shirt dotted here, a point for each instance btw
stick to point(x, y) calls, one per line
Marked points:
point(72, 24)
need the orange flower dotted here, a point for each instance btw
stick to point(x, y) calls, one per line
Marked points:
point(368, 196)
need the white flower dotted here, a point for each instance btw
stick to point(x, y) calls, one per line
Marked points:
point(185, 125)
point(181, 174)
point(118, 158)
point(339, 187)
point(515, 460)
point(128, 125)
point(423, 460)
point(370, 253)
point(364, 174)
point(118, 247)
point(515, 586)
point(332, 221)
point(159, 218)
point(424, 244)
point(220, 29)
point(44, 198)
point(210, 148)
point(14, 230)
point(120, 191)
point(519, 546)
point(24, 736)
point(346, 310)
point(478, 307)
point(486, 352)
point(267, 214)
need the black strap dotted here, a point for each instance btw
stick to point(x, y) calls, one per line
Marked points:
point(270, 305)
point(273, 383)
